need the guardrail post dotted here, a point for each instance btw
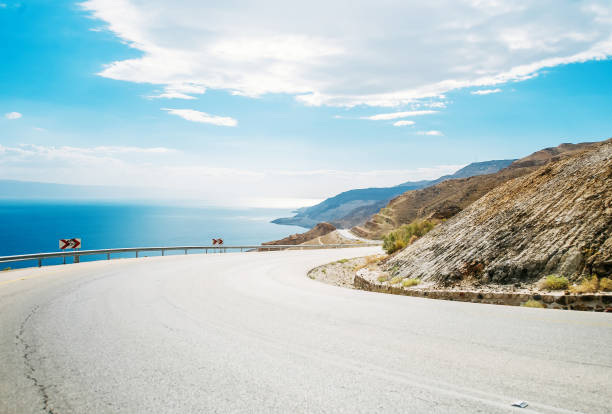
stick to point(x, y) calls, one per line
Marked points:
point(39, 262)
point(162, 250)
point(136, 253)
point(107, 256)
point(76, 258)
point(185, 251)
point(64, 259)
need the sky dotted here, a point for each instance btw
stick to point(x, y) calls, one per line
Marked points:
point(282, 104)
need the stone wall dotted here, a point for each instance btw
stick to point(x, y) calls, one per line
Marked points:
point(598, 302)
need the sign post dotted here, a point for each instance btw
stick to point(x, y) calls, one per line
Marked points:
point(218, 241)
point(70, 244)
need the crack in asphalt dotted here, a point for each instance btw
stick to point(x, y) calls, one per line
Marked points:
point(28, 352)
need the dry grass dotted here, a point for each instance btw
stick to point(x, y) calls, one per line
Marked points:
point(554, 282)
point(369, 261)
point(533, 304)
point(586, 286)
point(592, 285)
point(410, 282)
point(342, 261)
point(396, 280)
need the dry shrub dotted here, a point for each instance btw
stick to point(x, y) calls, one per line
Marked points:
point(605, 285)
point(369, 261)
point(383, 278)
point(396, 280)
point(410, 282)
point(533, 304)
point(592, 285)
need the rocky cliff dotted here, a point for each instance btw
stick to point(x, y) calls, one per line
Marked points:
point(557, 219)
point(445, 199)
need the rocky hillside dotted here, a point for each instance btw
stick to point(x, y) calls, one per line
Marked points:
point(319, 230)
point(449, 197)
point(354, 207)
point(557, 219)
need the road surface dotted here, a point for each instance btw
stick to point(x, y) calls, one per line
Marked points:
point(249, 332)
point(347, 234)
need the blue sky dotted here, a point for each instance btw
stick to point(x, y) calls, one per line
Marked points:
point(264, 104)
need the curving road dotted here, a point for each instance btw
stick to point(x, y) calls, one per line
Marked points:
point(249, 332)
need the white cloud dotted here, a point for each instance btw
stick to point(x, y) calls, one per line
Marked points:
point(403, 123)
point(395, 115)
point(12, 115)
point(203, 117)
point(378, 54)
point(432, 133)
point(180, 91)
point(486, 91)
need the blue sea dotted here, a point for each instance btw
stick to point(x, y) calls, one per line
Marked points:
point(37, 226)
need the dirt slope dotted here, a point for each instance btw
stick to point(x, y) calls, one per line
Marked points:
point(332, 238)
point(557, 219)
point(449, 197)
point(319, 230)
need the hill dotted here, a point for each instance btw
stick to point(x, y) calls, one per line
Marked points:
point(557, 219)
point(319, 230)
point(447, 198)
point(354, 207)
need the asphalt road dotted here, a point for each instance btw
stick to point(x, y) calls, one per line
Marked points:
point(249, 332)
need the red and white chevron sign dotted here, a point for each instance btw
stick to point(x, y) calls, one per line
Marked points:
point(69, 244)
point(217, 241)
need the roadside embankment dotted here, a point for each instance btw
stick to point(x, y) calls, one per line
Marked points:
point(597, 302)
point(364, 273)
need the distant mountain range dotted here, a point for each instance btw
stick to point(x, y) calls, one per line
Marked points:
point(354, 207)
point(447, 198)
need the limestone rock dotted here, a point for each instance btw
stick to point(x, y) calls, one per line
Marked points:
point(557, 219)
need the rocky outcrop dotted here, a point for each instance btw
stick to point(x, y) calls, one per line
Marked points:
point(558, 219)
point(319, 230)
point(449, 197)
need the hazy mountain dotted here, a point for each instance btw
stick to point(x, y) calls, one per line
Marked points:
point(354, 207)
point(447, 198)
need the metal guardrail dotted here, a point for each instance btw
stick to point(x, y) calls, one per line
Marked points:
point(76, 254)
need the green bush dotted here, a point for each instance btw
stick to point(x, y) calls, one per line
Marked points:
point(341, 261)
point(406, 235)
point(533, 304)
point(410, 282)
point(554, 282)
point(396, 280)
point(383, 278)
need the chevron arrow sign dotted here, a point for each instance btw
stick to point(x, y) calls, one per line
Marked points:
point(69, 244)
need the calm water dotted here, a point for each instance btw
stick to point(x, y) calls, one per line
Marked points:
point(32, 227)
